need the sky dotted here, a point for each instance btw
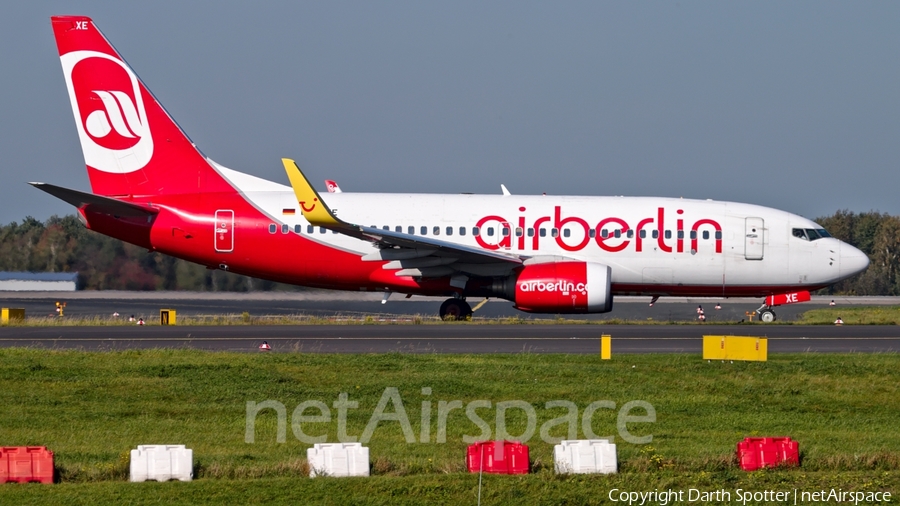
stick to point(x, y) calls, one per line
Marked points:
point(792, 105)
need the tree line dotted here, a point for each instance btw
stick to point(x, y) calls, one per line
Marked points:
point(63, 244)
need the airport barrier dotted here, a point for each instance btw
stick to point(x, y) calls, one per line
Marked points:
point(497, 457)
point(22, 464)
point(735, 348)
point(9, 314)
point(162, 463)
point(756, 452)
point(167, 317)
point(585, 456)
point(338, 459)
point(605, 347)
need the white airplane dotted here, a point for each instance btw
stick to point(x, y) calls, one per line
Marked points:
point(546, 254)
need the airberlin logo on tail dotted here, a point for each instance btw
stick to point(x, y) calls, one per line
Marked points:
point(109, 112)
point(118, 113)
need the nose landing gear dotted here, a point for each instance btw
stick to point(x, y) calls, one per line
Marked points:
point(766, 314)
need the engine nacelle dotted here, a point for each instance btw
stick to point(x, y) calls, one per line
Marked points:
point(564, 287)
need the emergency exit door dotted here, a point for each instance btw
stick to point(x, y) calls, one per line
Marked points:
point(754, 238)
point(224, 240)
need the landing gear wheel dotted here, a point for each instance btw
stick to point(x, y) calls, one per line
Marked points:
point(767, 315)
point(455, 309)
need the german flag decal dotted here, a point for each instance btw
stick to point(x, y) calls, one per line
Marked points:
point(289, 212)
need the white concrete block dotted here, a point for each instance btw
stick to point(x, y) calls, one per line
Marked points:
point(585, 456)
point(162, 463)
point(338, 459)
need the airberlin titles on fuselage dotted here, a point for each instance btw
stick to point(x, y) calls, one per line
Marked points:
point(610, 234)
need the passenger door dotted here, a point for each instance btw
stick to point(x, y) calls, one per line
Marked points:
point(754, 238)
point(224, 241)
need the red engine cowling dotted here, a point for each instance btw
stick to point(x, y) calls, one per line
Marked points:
point(564, 287)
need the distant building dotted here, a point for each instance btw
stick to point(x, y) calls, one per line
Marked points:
point(38, 281)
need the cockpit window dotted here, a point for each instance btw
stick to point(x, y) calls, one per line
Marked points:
point(810, 234)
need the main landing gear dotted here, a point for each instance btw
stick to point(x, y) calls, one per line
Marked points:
point(455, 309)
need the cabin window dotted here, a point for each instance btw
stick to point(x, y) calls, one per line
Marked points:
point(334, 231)
point(530, 232)
point(321, 230)
point(386, 228)
point(629, 234)
point(705, 235)
point(285, 228)
point(298, 229)
point(656, 234)
point(693, 234)
point(462, 230)
point(618, 233)
point(449, 230)
point(543, 232)
point(423, 230)
point(566, 232)
point(505, 231)
point(398, 229)
point(411, 230)
point(604, 233)
point(668, 234)
point(436, 230)
point(642, 234)
point(519, 232)
point(273, 228)
point(592, 233)
point(310, 229)
point(476, 231)
point(490, 231)
point(718, 234)
point(554, 232)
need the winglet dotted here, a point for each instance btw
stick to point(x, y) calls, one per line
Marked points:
point(312, 206)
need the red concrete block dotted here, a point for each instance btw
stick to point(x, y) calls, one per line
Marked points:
point(498, 457)
point(756, 452)
point(22, 464)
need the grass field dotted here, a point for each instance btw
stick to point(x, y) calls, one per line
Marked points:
point(92, 408)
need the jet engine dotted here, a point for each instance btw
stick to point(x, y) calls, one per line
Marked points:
point(560, 287)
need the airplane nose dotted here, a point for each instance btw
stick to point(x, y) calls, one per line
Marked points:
point(853, 261)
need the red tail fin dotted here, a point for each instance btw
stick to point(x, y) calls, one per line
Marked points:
point(130, 143)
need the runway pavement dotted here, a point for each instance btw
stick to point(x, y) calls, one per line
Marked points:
point(334, 304)
point(431, 338)
point(454, 338)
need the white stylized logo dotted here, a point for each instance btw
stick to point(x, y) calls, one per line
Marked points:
point(554, 286)
point(109, 112)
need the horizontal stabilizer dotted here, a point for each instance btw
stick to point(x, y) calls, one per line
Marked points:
point(96, 203)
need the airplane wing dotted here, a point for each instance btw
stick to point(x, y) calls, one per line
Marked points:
point(409, 255)
point(96, 203)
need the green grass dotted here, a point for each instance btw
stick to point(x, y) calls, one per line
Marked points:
point(854, 315)
point(91, 408)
